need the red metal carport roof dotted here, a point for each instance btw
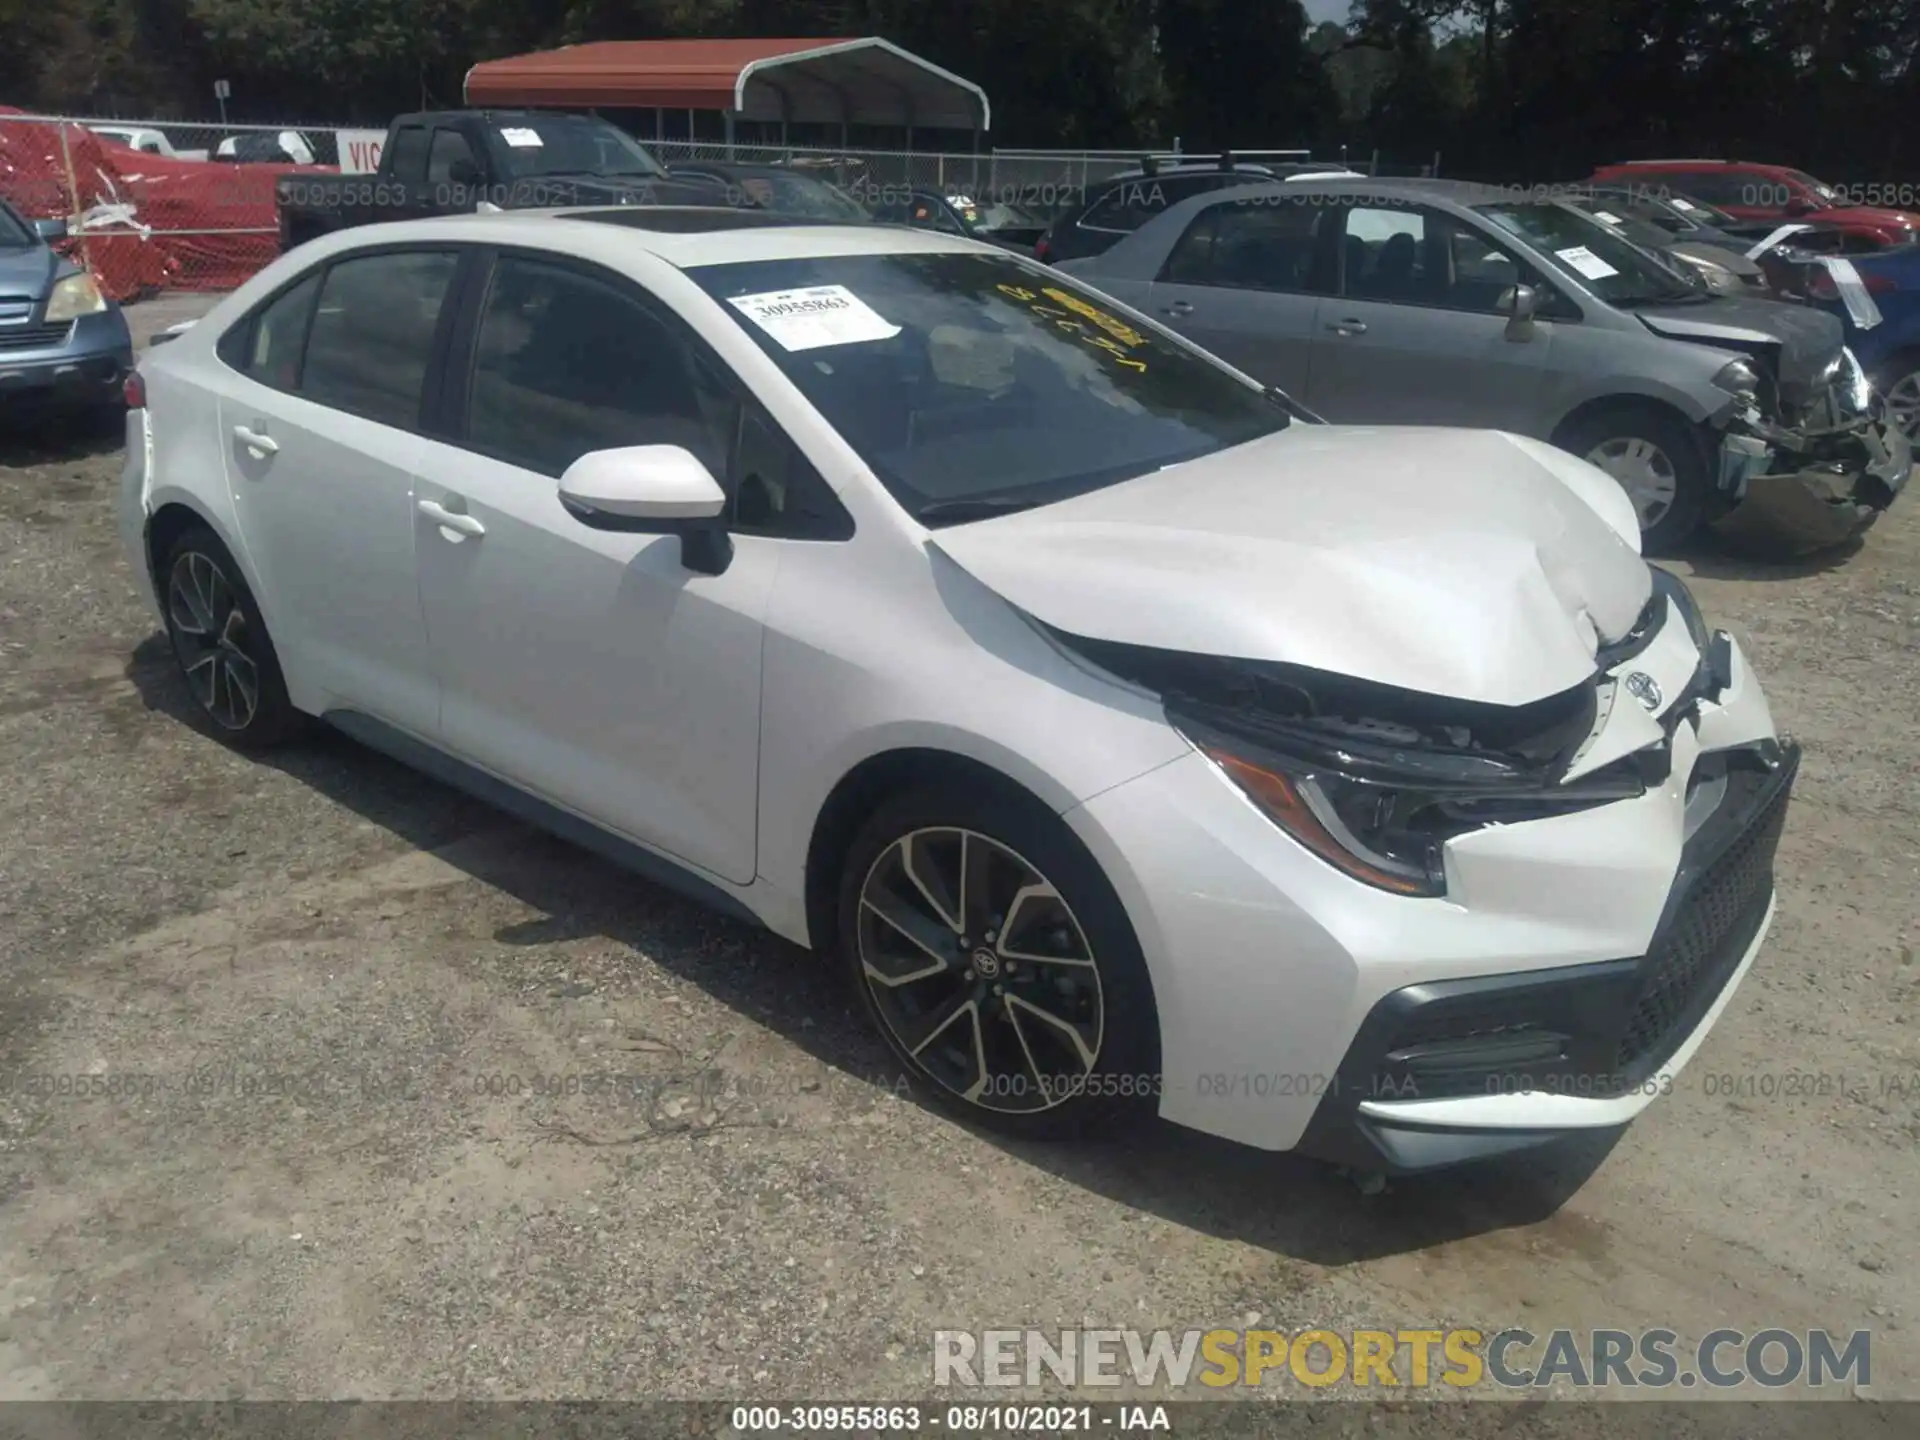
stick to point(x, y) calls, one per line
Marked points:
point(868, 81)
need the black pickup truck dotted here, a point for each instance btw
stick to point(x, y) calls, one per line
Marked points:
point(445, 162)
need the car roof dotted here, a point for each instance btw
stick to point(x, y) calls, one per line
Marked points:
point(684, 236)
point(739, 167)
point(1459, 192)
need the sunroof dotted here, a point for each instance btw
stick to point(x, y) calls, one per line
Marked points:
point(690, 219)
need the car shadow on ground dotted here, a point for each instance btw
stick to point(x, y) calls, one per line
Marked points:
point(1713, 559)
point(1284, 1204)
point(28, 439)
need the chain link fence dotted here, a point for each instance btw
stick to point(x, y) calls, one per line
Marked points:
point(1041, 181)
point(153, 204)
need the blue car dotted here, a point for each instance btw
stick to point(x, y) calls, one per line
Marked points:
point(62, 343)
point(1890, 351)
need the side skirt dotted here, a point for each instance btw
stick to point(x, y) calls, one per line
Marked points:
point(503, 795)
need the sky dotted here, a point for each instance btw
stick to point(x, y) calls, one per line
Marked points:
point(1328, 10)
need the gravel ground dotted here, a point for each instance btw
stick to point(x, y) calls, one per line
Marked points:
point(370, 965)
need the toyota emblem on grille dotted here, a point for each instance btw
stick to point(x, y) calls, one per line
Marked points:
point(1642, 687)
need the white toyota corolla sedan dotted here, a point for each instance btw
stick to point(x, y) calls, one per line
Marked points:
point(1136, 741)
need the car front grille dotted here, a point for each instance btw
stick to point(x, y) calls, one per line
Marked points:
point(1703, 941)
point(34, 337)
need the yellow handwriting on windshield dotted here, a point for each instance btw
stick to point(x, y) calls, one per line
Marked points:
point(1062, 320)
point(1125, 334)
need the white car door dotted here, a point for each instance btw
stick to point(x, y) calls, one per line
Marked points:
point(593, 668)
point(320, 424)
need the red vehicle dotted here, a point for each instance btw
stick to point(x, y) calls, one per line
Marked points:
point(1777, 193)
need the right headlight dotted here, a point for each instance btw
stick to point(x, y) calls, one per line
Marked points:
point(1666, 583)
point(1717, 278)
point(1739, 378)
point(1382, 812)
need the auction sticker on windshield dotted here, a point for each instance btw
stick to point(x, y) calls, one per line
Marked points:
point(521, 138)
point(815, 317)
point(1606, 215)
point(1585, 262)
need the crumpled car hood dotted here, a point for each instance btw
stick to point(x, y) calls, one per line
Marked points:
point(1464, 563)
point(1808, 339)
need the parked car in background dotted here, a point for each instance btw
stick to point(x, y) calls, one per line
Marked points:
point(1416, 302)
point(1120, 204)
point(1890, 350)
point(1774, 193)
point(442, 162)
point(778, 188)
point(146, 140)
point(1109, 725)
point(287, 147)
point(956, 213)
point(1723, 269)
point(63, 344)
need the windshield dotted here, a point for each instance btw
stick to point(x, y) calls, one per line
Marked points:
point(1629, 221)
point(1610, 266)
point(1819, 187)
point(569, 145)
point(14, 232)
point(1001, 216)
point(789, 194)
point(971, 382)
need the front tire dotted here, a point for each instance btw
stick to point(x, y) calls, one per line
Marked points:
point(1898, 382)
point(997, 963)
point(1658, 459)
point(221, 644)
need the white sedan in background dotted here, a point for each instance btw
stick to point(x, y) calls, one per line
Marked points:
point(1136, 742)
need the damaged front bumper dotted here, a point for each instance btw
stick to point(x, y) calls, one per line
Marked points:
point(1797, 491)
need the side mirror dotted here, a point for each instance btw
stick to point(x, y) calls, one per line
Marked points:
point(1799, 205)
point(463, 172)
point(1519, 305)
point(652, 490)
point(50, 230)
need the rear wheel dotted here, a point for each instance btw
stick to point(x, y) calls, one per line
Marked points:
point(996, 962)
point(221, 643)
point(1658, 459)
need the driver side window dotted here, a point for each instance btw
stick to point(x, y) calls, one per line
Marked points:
point(449, 148)
point(565, 363)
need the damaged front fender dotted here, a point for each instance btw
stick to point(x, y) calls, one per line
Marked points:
point(1793, 492)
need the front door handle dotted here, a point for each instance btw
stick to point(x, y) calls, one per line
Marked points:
point(1348, 327)
point(450, 519)
point(261, 445)
point(1179, 307)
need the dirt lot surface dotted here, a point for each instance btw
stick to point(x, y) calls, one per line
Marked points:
point(323, 979)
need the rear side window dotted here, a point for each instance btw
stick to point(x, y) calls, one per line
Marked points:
point(372, 334)
point(1253, 246)
point(269, 348)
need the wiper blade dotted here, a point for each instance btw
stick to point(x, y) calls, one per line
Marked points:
point(1293, 408)
point(976, 507)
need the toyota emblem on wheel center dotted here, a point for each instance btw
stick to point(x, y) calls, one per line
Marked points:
point(1644, 688)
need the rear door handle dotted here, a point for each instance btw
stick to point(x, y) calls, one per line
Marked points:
point(256, 442)
point(450, 519)
point(1347, 327)
point(1179, 307)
